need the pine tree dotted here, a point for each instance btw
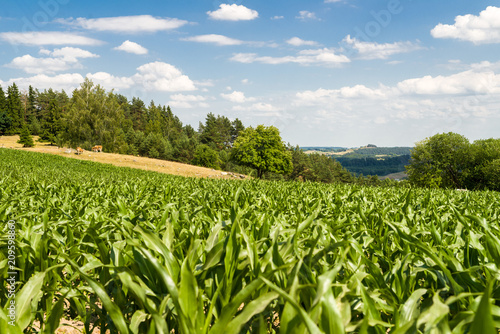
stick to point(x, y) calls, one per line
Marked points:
point(14, 109)
point(3, 101)
point(25, 138)
point(5, 121)
point(31, 110)
point(52, 123)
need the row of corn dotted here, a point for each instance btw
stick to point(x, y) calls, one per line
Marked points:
point(128, 251)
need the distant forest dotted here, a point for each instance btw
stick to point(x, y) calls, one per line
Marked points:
point(375, 166)
point(93, 116)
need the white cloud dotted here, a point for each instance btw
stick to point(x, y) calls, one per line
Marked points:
point(163, 77)
point(296, 41)
point(467, 82)
point(264, 107)
point(58, 60)
point(69, 53)
point(373, 50)
point(323, 57)
point(481, 29)
point(260, 109)
point(442, 102)
point(305, 15)
point(237, 97)
point(188, 101)
point(233, 13)
point(110, 81)
point(67, 81)
point(47, 38)
point(157, 76)
point(215, 39)
point(132, 47)
point(126, 24)
point(277, 17)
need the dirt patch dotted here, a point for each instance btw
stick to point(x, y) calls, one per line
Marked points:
point(121, 160)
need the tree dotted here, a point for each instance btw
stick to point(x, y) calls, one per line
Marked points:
point(14, 108)
point(206, 156)
point(485, 155)
point(491, 172)
point(262, 149)
point(95, 118)
point(442, 160)
point(5, 122)
point(52, 123)
point(25, 138)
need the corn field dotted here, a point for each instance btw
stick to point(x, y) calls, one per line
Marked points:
point(131, 251)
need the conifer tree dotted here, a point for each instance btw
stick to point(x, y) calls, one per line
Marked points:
point(52, 123)
point(5, 121)
point(25, 138)
point(14, 109)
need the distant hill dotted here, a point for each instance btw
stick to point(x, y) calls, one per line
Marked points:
point(371, 160)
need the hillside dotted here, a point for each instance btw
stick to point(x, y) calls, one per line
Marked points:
point(380, 161)
point(121, 160)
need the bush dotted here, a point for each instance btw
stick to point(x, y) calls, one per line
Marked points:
point(206, 156)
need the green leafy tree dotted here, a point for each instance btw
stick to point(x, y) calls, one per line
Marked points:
point(491, 172)
point(262, 149)
point(442, 160)
point(206, 156)
point(95, 118)
point(25, 137)
point(484, 153)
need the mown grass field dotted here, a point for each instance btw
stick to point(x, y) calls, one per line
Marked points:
point(131, 251)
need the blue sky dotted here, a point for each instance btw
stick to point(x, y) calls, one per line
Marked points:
point(325, 72)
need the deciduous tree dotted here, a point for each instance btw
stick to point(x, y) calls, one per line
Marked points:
point(262, 148)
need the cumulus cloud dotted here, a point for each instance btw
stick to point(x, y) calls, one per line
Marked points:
point(305, 15)
point(260, 109)
point(233, 13)
point(444, 99)
point(296, 41)
point(215, 39)
point(110, 81)
point(57, 61)
point(40, 38)
point(481, 29)
point(322, 57)
point(163, 77)
point(67, 81)
point(132, 47)
point(373, 50)
point(467, 82)
point(156, 76)
point(188, 101)
point(126, 24)
point(237, 97)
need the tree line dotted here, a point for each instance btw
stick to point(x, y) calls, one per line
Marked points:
point(449, 160)
point(93, 116)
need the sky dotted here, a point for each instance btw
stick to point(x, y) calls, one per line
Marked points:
point(324, 72)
